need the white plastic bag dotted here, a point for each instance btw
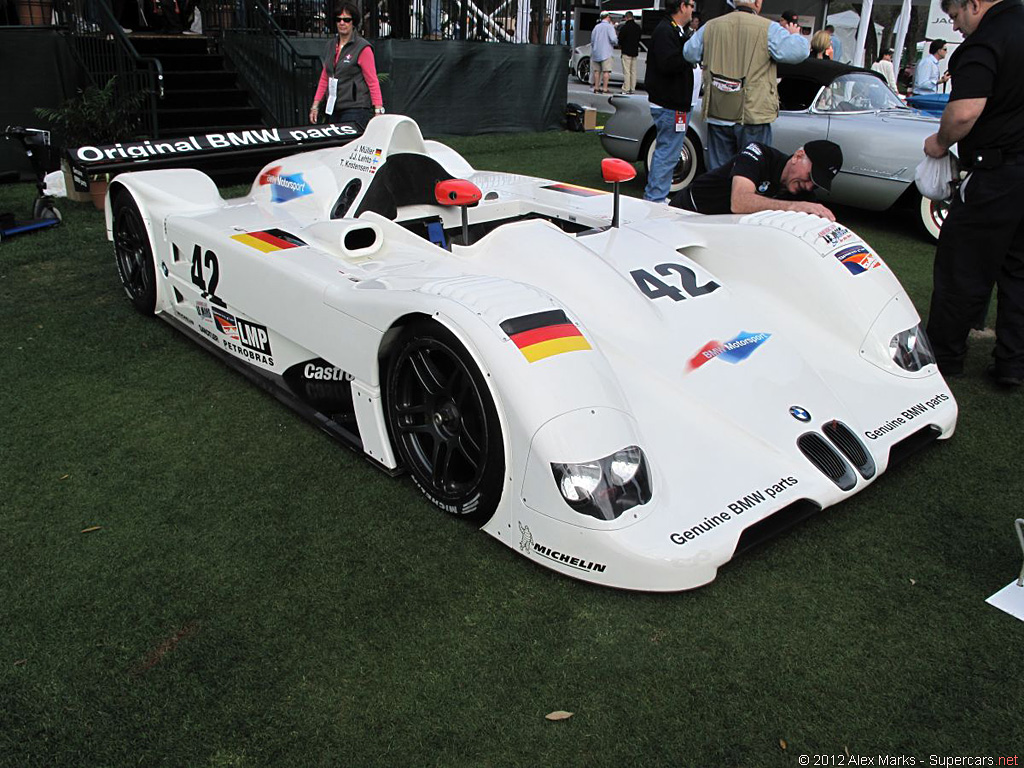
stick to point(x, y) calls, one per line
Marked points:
point(53, 184)
point(934, 176)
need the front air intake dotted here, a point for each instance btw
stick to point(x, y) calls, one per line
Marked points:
point(851, 447)
point(822, 455)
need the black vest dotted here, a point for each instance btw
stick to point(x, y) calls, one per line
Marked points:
point(352, 88)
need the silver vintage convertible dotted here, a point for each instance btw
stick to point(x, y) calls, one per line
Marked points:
point(882, 139)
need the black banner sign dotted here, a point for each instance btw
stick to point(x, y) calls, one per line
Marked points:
point(168, 153)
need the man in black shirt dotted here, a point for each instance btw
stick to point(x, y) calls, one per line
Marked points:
point(629, 45)
point(761, 178)
point(982, 239)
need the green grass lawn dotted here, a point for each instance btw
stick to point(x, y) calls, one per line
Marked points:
point(256, 595)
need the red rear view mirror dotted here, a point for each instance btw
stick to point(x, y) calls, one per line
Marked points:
point(614, 169)
point(457, 192)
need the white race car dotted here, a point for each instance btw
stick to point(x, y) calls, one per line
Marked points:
point(628, 401)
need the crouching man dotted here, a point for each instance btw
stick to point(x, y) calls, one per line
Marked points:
point(761, 178)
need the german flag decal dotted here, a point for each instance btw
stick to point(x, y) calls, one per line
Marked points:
point(269, 240)
point(544, 334)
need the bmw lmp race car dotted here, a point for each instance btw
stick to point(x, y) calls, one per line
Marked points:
point(626, 396)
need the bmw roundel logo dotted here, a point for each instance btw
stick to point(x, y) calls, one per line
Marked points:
point(800, 414)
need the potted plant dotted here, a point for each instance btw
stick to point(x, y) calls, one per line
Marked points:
point(96, 117)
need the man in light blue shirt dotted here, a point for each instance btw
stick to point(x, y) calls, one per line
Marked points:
point(728, 134)
point(602, 43)
point(926, 77)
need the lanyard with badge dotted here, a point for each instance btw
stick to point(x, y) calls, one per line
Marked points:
point(680, 116)
point(332, 85)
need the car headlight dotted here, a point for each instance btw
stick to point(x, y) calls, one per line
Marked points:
point(910, 349)
point(607, 487)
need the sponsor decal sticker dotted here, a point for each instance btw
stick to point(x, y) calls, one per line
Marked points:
point(735, 509)
point(527, 545)
point(544, 334)
point(225, 323)
point(254, 341)
point(316, 372)
point(905, 417)
point(269, 240)
point(573, 189)
point(203, 310)
point(284, 188)
point(835, 234)
point(857, 259)
point(734, 351)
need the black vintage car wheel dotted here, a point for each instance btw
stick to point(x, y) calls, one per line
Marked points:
point(444, 424)
point(134, 254)
point(689, 166)
point(583, 70)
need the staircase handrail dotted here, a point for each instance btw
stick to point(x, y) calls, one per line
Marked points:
point(241, 43)
point(88, 41)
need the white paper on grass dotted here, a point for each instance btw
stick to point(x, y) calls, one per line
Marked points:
point(1010, 599)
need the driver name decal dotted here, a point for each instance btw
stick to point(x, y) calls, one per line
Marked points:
point(734, 351)
point(544, 334)
point(284, 188)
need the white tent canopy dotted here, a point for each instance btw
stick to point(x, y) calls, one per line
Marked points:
point(847, 24)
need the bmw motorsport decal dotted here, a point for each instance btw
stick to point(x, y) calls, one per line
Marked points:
point(734, 351)
point(544, 334)
point(284, 188)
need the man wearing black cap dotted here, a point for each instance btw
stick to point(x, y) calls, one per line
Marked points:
point(761, 178)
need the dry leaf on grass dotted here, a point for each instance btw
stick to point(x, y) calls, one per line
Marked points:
point(93, 528)
point(782, 743)
point(65, 477)
point(558, 715)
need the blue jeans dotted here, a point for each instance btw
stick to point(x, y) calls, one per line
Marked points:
point(724, 141)
point(668, 145)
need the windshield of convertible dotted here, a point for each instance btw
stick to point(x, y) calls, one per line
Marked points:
point(857, 92)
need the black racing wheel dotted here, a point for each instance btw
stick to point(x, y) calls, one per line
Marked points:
point(443, 422)
point(134, 254)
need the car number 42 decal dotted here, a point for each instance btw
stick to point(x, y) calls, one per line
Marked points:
point(207, 285)
point(655, 288)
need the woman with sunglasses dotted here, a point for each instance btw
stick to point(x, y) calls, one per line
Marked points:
point(349, 79)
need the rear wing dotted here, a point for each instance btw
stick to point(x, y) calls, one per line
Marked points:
point(187, 151)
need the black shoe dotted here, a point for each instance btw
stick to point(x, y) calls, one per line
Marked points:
point(1003, 379)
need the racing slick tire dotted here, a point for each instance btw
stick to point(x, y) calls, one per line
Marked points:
point(134, 254)
point(931, 215)
point(443, 422)
point(690, 165)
